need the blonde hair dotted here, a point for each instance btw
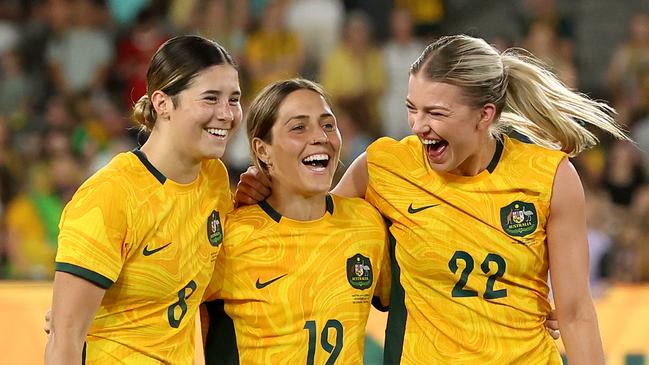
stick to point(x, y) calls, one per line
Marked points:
point(173, 67)
point(529, 98)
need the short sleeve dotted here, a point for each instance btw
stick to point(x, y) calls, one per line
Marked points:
point(93, 228)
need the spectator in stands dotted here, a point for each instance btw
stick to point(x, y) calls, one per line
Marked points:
point(33, 217)
point(628, 73)
point(15, 88)
point(398, 54)
point(624, 174)
point(318, 23)
point(273, 52)
point(544, 43)
point(428, 16)
point(549, 13)
point(134, 52)
point(224, 21)
point(354, 74)
point(80, 57)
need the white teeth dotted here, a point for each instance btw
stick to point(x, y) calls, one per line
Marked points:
point(317, 157)
point(430, 141)
point(217, 132)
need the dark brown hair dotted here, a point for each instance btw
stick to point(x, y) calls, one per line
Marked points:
point(173, 67)
point(263, 111)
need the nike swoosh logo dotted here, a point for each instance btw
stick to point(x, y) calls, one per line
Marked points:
point(261, 285)
point(413, 210)
point(147, 252)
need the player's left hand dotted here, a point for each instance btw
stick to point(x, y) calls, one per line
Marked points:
point(253, 187)
point(552, 325)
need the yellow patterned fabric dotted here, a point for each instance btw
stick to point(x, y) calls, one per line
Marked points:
point(294, 292)
point(152, 243)
point(469, 258)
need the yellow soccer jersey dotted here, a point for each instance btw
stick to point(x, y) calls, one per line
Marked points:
point(152, 243)
point(294, 292)
point(469, 257)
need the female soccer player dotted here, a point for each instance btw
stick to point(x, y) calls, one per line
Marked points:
point(297, 273)
point(139, 239)
point(478, 218)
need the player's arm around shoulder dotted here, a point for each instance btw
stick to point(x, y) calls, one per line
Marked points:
point(568, 254)
point(354, 181)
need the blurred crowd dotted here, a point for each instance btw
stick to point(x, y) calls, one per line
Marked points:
point(70, 71)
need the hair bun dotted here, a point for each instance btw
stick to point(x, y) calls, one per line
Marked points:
point(143, 112)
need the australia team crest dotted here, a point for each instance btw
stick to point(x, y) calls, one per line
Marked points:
point(519, 218)
point(214, 229)
point(359, 272)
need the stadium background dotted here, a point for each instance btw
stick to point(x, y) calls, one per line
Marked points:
point(71, 69)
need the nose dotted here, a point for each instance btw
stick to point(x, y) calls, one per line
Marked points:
point(223, 112)
point(418, 125)
point(319, 136)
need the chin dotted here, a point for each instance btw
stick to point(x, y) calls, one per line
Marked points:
point(445, 166)
point(316, 188)
point(214, 153)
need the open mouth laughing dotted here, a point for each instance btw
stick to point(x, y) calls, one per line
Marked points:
point(317, 162)
point(435, 148)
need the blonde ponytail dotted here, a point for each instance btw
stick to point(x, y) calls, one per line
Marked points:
point(528, 97)
point(541, 107)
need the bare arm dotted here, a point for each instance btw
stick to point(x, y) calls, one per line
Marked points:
point(568, 252)
point(74, 304)
point(354, 181)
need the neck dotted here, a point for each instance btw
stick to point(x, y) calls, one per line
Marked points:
point(479, 161)
point(168, 161)
point(297, 206)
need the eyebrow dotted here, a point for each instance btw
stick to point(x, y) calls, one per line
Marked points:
point(219, 92)
point(303, 116)
point(430, 107)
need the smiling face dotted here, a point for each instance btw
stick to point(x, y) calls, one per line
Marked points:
point(304, 145)
point(207, 113)
point(451, 130)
